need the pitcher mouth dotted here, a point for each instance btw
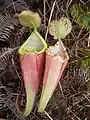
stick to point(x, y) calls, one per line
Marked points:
point(35, 44)
point(58, 48)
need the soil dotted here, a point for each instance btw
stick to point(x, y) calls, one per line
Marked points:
point(71, 99)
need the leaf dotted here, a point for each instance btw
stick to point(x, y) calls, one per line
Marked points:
point(29, 19)
point(77, 10)
point(81, 16)
point(86, 62)
point(60, 29)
